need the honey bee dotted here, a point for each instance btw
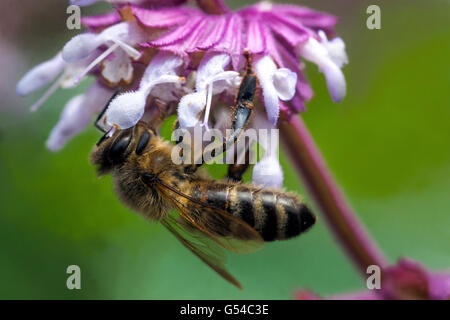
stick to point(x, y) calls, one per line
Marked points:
point(212, 215)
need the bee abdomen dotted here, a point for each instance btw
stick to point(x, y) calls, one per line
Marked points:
point(224, 196)
point(299, 217)
point(275, 215)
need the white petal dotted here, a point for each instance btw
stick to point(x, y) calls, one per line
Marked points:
point(223, 81)
point(335, 81)
point(80, 47)
point(92, 64)
point(210, 66)
point(128, 32)
point(97, 96)
point(69, 77)
point(132, 52)
point(315, 52)
point(162, 64)
point(267, 172)
point(74, 118)
point(161, 79)
point(285, 81)
point(119, 68)
point(318, 53)
point(40, 75)
point(265, 68)
point(336, 49)
point(126, 109)
point(166, 88)
point(189, 107)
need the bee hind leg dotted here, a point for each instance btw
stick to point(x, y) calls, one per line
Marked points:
point(243, 108)
point(236, 170)
point(241, 117)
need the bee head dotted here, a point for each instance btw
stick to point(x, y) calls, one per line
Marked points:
point(116, 146)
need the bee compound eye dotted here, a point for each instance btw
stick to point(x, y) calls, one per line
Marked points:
point(116, 153)
point(142, 143)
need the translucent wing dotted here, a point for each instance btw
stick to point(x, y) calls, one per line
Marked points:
point(223, 228)
point(204, 248)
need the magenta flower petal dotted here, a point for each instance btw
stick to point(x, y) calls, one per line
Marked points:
point(271, 45)
point(292, 34)
point(215, 34)
point(162, 18)
point(275, 30)
point(189, 44)
point(232, 40)
point(411, 280)
point(407, 280)
point(256, 42)
point(311, 18)
point(297, 103)
point(101, 21)
point(177, 34)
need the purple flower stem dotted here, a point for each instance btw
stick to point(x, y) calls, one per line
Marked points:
point(213, 6)
point(329, 199)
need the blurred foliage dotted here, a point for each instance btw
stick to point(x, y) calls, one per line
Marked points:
point(388, 144)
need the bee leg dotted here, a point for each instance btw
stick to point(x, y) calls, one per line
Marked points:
point(241, 116)
point(243, 109)
point(176, 126)
point(237, 170)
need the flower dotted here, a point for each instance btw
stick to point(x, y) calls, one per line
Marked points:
point(129, 107)
point(119, 38)
point(277, 84)
point(330, 56)
point(62, 74)
point(408, 280)
point(197, 60)
point(211, 79)
point(267, 172)
point(77, 114)
point(273, 34)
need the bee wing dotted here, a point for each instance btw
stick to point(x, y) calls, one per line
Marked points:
point(223, 228)
point(208, 251)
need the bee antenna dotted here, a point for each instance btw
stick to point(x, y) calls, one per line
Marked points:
point(102, 113)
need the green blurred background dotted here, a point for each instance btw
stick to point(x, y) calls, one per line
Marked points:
point(388, 145)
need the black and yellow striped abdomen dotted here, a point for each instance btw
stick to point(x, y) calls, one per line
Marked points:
point(275, 214)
